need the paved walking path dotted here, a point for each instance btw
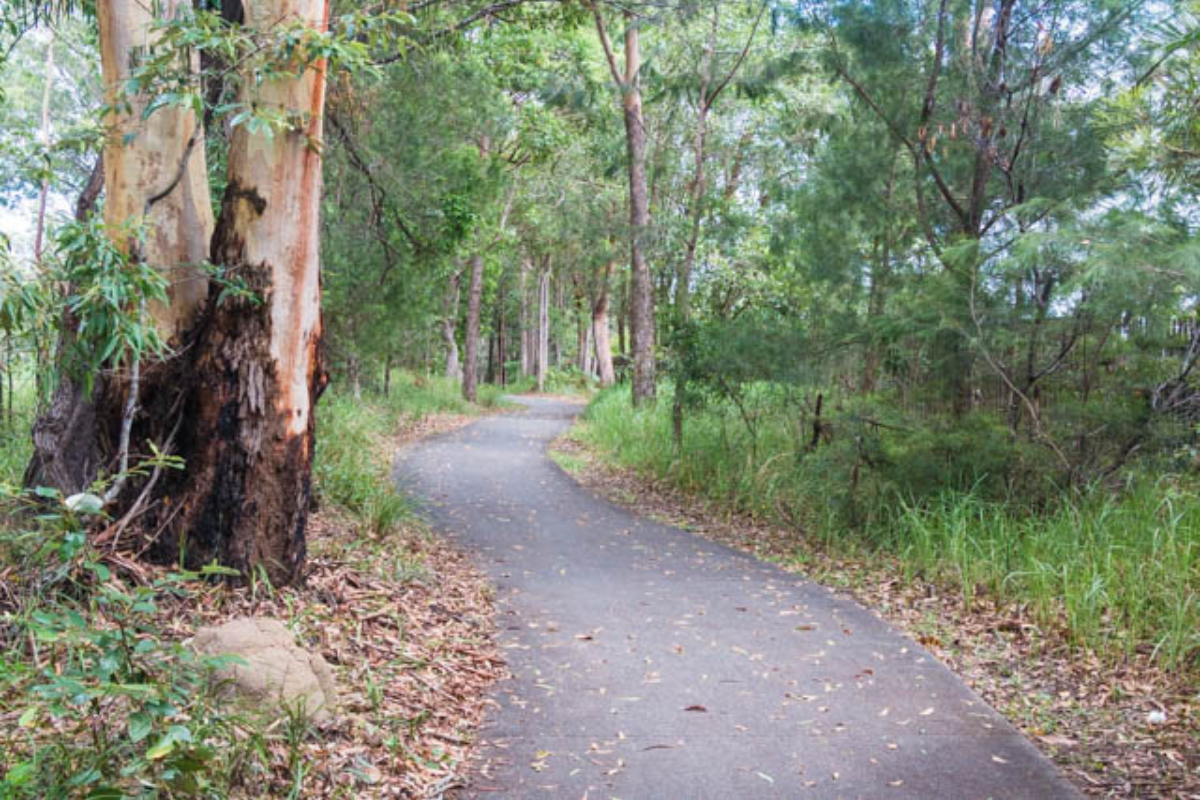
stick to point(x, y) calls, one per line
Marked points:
point(649, 663)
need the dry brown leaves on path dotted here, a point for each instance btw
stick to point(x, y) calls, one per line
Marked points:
point(1115, 729)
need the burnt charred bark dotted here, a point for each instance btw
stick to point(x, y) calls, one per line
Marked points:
point(236, 402)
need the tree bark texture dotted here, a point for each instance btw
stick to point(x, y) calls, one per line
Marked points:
point(641, 316)
point(601, 338)
point(257, 371)
point(502, 329)
point(72, 437)
point(641, 312)
point(142, 157)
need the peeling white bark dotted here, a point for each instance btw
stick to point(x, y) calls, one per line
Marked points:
point(143, 157)
point(282, 173)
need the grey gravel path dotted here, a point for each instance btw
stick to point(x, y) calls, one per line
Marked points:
point(649, 663)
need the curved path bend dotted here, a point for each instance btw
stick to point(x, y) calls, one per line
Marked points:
point(649, 663)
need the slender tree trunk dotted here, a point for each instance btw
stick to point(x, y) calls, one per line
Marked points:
point(642, 289)
point(257, 371)
point(543, 333)
point(623, 317)
point(490, 372)
point(583, 331)
point(474, 302)
point(641, 316)
point(502, 330)
point(590, 362)
point(453, 370)
point(387, 375)
point(600, 333)
point(527, 355)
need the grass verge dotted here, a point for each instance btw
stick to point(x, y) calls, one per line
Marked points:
point(1117, 573)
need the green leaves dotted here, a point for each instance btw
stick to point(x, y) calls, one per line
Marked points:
point(108, 292)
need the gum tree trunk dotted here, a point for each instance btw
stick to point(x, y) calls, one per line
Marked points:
point(641, 318)
point(641, 311)
point(74, 437)
point(543, 332)
point(601, 337)
point(257, 373)
point(141, 158)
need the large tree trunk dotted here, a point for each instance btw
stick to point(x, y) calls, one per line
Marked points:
point(257, 372)
point(474, 301)
point(143, 158)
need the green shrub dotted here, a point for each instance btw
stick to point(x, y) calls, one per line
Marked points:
point(105, 704)
point(98, 698)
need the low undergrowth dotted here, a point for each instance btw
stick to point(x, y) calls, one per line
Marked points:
point(101, 696)
point(1117, 571)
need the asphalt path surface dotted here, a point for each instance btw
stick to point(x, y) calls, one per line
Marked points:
point(650, 663)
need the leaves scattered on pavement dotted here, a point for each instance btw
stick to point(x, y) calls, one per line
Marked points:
point(1115, 729)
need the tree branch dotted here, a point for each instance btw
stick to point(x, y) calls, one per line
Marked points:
point(741, 57)
point(606, 43)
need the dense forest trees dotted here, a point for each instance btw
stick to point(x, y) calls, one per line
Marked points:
point(942, 233)
point(907, 290)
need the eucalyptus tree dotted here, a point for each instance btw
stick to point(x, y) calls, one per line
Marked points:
point(628, 79)
point(220, 368)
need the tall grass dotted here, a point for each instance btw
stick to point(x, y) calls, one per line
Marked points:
point(1121, 571)
point(16, 446)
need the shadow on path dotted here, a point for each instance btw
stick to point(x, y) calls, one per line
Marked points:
point(649, 663)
